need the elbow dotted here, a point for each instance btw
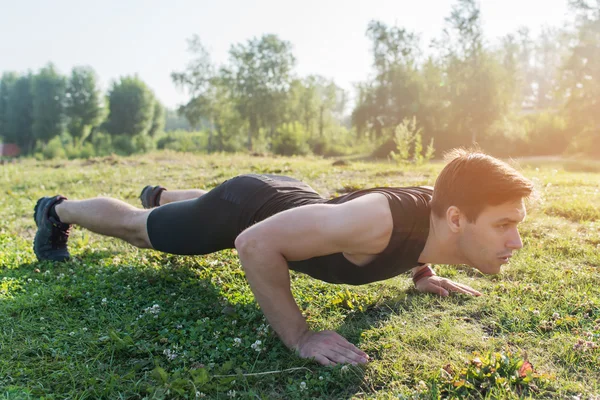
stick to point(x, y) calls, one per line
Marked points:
point(255, 252)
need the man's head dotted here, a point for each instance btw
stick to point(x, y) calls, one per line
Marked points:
point(481, 199)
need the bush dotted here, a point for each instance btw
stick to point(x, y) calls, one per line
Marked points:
point(546, 134)
point(587, 143)
point(143, 143)
point(123, 145)
point(409, 144)
point(54, 149)
point(183, 141)
point(102, 143)
point(506, 137)
point(290, 140)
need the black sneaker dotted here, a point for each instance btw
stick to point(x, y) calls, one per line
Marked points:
point(50, 241)
point(150, 196)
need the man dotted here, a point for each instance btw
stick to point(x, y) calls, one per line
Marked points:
point(278, 223)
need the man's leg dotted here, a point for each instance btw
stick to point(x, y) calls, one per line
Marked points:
point(155, 196)
point(170, 196)
point(108, 217)
point(55, 215)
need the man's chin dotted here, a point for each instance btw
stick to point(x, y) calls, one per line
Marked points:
point(490, 269)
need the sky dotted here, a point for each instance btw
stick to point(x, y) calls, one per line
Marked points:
point(148, 37)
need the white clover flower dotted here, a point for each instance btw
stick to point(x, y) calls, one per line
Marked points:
point(536, 312)
point(237, 342)
point(345, 368)
point(84, 329)
point(71, 333)
point(29, 279)
point(231, 393)
point(257, 346)
point(556, 315)
point(104, 301)
point(171, 355)
point(200, 394)
point(302, 385)
point(179, 326)
point(320, 378)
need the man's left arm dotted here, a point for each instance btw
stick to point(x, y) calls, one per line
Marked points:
point(427, 281)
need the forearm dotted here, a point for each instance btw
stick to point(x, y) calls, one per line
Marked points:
point(268, 276)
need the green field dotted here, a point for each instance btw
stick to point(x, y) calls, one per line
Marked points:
point(121, 323)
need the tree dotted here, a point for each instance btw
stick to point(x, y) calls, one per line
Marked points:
point(211, 100)
point(580, 78)
point(549, 52)
point(131, 107)
point(49, 90)
point(7, 83)
point(260, 75)
point(473, 76)
point(158, 119)
point(314, 102)
point(84, 103)
point(394, 94)
point(18, 124)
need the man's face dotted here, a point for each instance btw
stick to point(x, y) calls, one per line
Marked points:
point(491, 240)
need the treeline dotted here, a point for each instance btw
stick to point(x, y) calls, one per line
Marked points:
point(520, 96)
point(60, 116)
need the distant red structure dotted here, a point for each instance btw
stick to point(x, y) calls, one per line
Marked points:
point(9, 150)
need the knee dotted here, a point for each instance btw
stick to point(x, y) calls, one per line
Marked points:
point(137, 232)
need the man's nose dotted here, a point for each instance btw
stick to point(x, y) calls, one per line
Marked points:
point(514, 242)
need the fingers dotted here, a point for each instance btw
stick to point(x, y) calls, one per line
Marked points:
point(321, 359)
point(460, 288)
point(349, 346)
point(341, 355)
point(329, 348)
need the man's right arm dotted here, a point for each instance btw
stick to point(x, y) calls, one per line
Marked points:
point(360, 226)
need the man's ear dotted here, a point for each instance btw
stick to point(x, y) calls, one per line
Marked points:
point(453, 219)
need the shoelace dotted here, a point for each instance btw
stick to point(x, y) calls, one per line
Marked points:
point(60, 235)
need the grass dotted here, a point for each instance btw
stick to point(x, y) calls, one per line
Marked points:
point(117, 322)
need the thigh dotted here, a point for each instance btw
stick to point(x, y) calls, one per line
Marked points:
point(208, 223)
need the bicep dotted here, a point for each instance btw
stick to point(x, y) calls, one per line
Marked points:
point(362, 225)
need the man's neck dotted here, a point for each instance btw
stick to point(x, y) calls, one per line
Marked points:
point(441, 246)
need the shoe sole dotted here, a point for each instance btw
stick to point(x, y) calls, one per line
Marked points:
point(35, 239)
point(35, 211)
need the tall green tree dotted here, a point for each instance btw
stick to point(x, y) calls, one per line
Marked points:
point(18, 124)
point(158, 119)
point(49, 90)
point(315, 102)
point(84, 103)
point(7, 83)
point(580, 80)
point(199, 80)
point(473, 75)
point(131, 107)
point(550, 50)
point(212, 102)
point(260, 73)
point(395, 92)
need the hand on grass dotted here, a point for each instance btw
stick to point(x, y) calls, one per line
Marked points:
point(443, 286)
point(330, 348)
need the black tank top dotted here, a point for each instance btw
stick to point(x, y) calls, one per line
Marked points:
point(410, 213)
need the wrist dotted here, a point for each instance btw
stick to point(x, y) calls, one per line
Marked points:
point(301, 339)
point(424, 272)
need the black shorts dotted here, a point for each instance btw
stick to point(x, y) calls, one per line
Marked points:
point(212, 221)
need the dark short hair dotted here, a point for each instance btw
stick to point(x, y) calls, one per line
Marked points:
point(473, 180)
